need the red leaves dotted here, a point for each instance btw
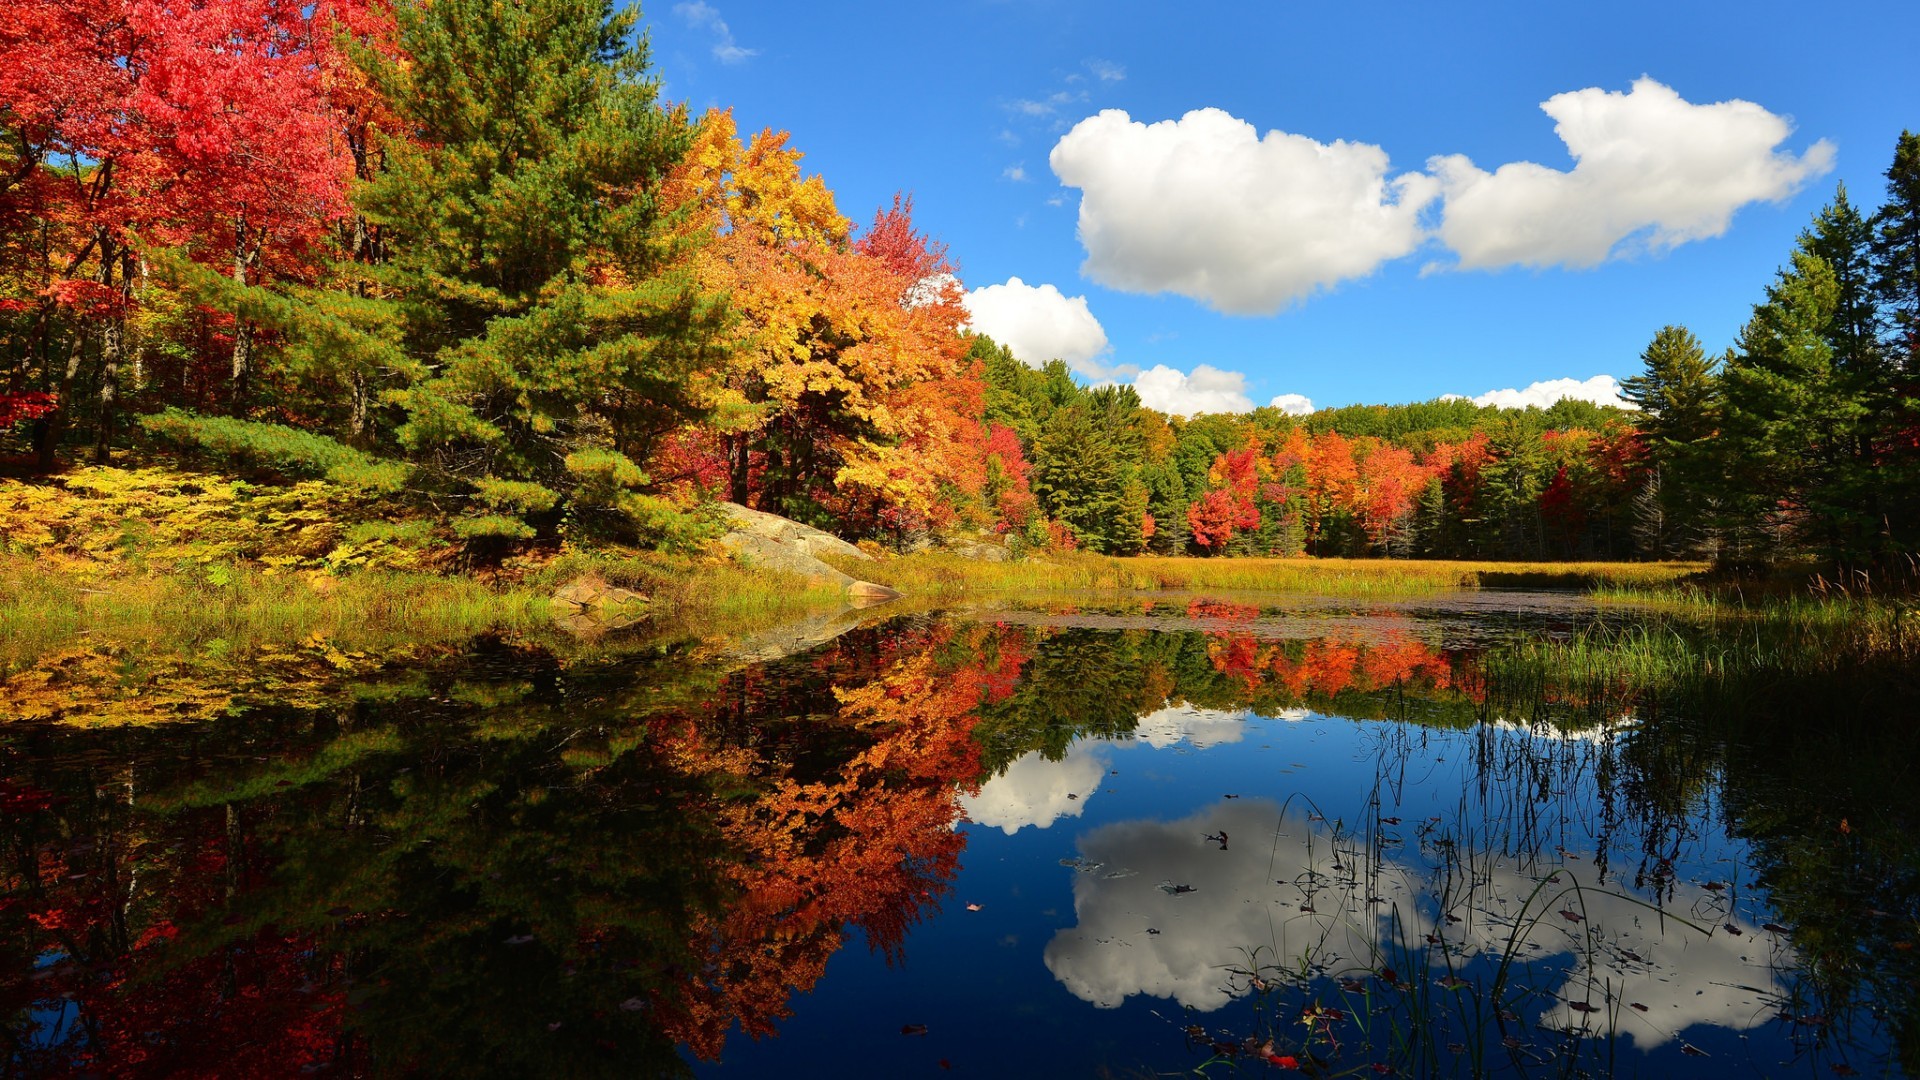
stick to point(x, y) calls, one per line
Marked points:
point(14, 409)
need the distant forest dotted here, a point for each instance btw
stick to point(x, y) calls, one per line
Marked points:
point(511, 288)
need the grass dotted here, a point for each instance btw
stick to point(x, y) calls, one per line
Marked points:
point(1702, 649)
point(952, 576)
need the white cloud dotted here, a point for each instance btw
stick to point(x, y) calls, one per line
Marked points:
point(725, 49)
point(1199, 728)
point(1038, 324)
point(1647, 163)
point(1106, 70)
point(1292, 888)
point(1207, 390)
point(1016, 173)
point(1292, 404)
point(1035, 791)
point(1601, 390)
point(1206, 207)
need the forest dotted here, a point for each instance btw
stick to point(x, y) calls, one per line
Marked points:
point(501, 298)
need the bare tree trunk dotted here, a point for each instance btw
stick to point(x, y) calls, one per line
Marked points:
point(112, 344)
point(243, 259)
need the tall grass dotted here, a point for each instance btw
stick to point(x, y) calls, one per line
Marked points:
point(952, 576)
point(1704, 649)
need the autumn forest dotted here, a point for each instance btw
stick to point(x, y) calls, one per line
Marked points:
point(516, 291)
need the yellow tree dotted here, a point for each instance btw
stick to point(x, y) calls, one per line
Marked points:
point(848, 393)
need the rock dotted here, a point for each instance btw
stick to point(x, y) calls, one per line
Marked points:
point(769, 542)
point(773, 527)
point(765, 553)
point(587, 606)
point(979, 550)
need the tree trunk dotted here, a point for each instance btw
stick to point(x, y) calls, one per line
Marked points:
point(243, 260)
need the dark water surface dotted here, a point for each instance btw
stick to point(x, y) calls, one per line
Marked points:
point(1136, 839)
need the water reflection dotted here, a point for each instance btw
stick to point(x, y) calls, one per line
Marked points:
point(514, 862)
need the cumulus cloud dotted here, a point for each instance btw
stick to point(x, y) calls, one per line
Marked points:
point(1288, 884)
point(1197, 727)
point(1037, 323)
point(1016, 173)
point(1601, 390)
point(1647, 164)
point(1207, 207)
point(1207, 390)
point(1038, 792)
point(1292, 404)
point(725, 49)
point(1106, 70)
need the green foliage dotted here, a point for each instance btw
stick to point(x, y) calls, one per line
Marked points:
point(516, 496)
point(491, 527)
point(277, 448)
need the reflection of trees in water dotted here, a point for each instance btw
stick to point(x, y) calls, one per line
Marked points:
point(1095, 683)
point(500, 866)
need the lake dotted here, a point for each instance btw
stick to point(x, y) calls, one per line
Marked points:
point(1137, 836)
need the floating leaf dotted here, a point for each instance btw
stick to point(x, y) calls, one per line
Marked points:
point(1637, 1006)
point(973, 907)
point(1582, 1007)
point(913, 1029)
point(1573, 916)
point(1775, 928)
point(1691, 1050)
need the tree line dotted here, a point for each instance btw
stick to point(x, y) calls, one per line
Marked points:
point(515, 290)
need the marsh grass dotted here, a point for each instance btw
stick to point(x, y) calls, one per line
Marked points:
point(1698, 649)
point(952, 576)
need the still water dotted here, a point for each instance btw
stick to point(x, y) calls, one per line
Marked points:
point(1135, 839)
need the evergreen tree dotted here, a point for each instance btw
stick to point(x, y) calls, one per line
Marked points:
point(1896, 257)
point(1678, 395)
point(1077, 479)
point(1792, 422)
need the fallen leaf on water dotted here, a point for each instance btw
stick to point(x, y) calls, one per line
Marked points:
point(1732, 929)
point(945, 1064)
point(632, 1004)
point(1582, 1007)
point(1633, 956)
point(1389, 821)
point(1841, 1068)
point(1714, 886)
point(555, 1026)
point(1638, 1006)
point(1509, 1016)
point(1691, 1050)
point(520, 939)
point(1456, 1048)
point(1353, 986)
point(1071, 795)
point(1283, 1061)
point(1573, 916)
point(1511, 1042)
point(973, 907)
point(1153, 930)
point(1451, 982)
point(1388, 976)
point(913, 1029)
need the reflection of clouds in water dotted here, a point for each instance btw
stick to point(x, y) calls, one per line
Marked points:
point(1604, 732)
point(1240, 903)
point(1035, 791)
point(1234, 907)
point(1200, 727)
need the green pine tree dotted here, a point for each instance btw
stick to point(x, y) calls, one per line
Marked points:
point(1678, 394)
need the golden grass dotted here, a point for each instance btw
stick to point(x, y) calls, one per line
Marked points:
point(951, 576)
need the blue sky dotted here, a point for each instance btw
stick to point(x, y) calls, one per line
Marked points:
point(1336, 223)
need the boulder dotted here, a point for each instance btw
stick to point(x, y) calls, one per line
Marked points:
point(806, 538)
point(587, 606)
point(771, 542)
point(979, 550)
